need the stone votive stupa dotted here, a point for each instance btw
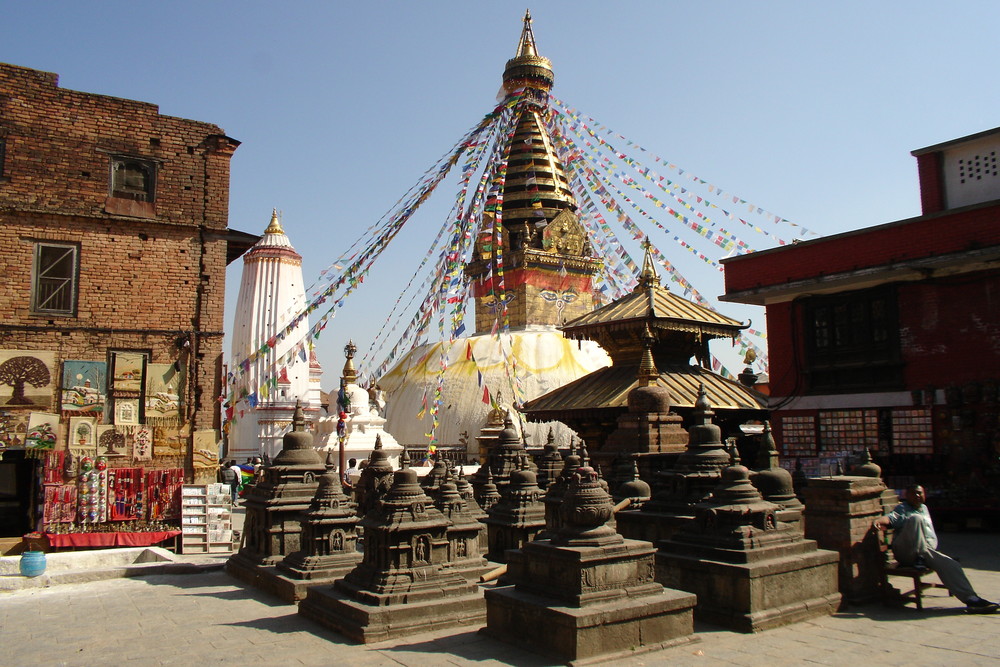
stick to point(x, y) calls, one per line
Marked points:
point(475, 511)
point(749, 570)
point(552, 500)
point(273, 524)
point(588, 593)
point(774, 482)
point(464, 552)
point(329, 540)
point(517, 518)
point(405, 584)
point(549, 462)
point(677, 491)
point(507, 456)
point(375, 479)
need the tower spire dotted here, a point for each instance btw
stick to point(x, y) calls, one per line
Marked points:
point(527, 69)
point(275, 226)
point(526, 47)
point(648, 277)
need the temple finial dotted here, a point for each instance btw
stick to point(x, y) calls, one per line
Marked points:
point(648, 276)
point(526, 47)
point(275, 225)
point(647, 375)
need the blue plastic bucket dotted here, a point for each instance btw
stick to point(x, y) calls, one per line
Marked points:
point(32, 563)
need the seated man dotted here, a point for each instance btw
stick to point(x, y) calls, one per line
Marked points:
point(915, 545)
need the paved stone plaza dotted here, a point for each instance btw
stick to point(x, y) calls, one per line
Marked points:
point(211, 618)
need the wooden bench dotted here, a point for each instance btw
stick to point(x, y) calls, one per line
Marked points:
point(892, 568)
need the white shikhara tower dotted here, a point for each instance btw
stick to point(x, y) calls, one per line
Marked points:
point(272, 294)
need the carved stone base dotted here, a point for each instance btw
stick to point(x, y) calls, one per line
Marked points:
point(757, 595)
point(366, 624)
point(595, 632)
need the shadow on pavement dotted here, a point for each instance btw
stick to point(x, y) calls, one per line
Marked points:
point(473, 646)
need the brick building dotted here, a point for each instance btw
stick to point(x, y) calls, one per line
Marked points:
point(887, 337)
point(113, 220)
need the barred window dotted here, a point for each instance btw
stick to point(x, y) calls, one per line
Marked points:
point(54, 278)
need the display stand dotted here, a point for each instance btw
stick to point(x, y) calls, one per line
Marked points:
point(206, 519)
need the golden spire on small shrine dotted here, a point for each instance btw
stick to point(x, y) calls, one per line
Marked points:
point(648, 276)
point(350, 375)
point(275, 226)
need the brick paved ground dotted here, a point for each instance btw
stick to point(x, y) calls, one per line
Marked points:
point(209, 618)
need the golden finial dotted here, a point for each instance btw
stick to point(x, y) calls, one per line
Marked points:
point(526, 47)
point(527, 69)
point(275, 226)
point(350, 374)
point(648, 276)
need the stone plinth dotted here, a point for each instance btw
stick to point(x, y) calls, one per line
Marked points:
point(838, 516)
point(588, 593)
point(274, 507)
point(750, 571)
point(405, 583)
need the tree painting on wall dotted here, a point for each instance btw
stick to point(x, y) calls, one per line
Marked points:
point(26, 378)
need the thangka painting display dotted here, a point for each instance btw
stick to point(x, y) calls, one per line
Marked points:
point(84, 387)
point(13, 430)
point(43, 431)
point(27, 378)
point(142, 443)
point(164, 388)
point(82, 438)
point(110, 443)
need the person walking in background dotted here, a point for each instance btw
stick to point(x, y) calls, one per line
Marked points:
point(236, 481)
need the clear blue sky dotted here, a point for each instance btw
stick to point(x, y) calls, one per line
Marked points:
point(808, 109)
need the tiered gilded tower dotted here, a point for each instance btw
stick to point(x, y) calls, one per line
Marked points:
point(545, 261)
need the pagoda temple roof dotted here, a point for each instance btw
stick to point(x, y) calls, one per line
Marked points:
point(655, 306)
point(658, 307)
point(609, 388)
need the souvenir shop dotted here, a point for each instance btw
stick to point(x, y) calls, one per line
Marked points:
point(92, 453)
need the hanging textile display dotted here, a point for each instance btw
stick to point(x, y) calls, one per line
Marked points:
point(27, 378)
point(82, 437)
point(164, 389)
point(84, 387)
point(142, 444)
point(110, 442)
point(43, 431)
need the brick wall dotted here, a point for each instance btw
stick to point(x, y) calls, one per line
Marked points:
point(149, 272)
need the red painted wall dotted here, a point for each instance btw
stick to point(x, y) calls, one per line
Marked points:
point(875, 246)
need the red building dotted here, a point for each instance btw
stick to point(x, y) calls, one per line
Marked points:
point(889, 337)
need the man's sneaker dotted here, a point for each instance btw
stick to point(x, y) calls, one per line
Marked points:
point(981, 606)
